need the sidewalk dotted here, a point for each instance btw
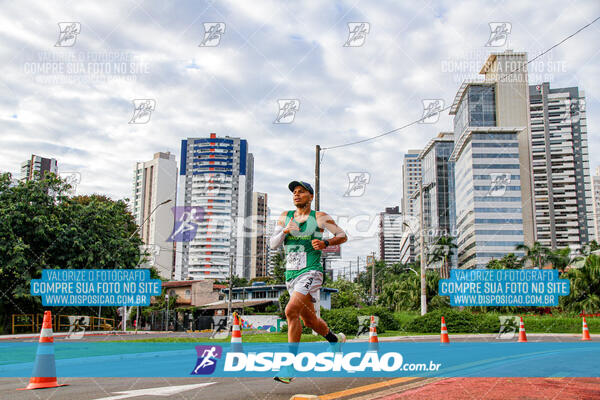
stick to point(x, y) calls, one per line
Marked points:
point(24, 336)
point(500, 389)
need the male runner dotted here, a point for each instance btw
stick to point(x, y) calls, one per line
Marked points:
point(301, 231)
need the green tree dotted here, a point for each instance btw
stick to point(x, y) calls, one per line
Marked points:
point(509, 261)
point(279, 268)
point(560, 258)
point(585, 287)
point(239, 282)
point(405, 293)
point(381, 274)
point(443, 250)
point(537, 254)
point(42, 228)
point(350, 294)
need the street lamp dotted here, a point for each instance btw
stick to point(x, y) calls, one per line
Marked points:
point(167, 322)
point(422, 251)
point(132, 235)
point(148, 217)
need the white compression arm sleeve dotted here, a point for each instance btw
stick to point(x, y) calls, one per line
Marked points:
point(277, 238)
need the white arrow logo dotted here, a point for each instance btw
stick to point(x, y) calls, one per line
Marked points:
point(160, 391)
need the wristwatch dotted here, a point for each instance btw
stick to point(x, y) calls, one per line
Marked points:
point(326, 243)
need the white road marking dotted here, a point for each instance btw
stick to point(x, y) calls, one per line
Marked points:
point(159, 391)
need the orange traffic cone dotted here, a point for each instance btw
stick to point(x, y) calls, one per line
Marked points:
point(236, 335)
point(522, 334)
point(373, 340)
point(586, 331)
point(444, 333)
point(44, 369)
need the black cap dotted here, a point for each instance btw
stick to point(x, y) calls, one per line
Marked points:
point(305, 185)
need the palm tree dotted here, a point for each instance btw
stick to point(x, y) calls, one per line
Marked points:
point(443, 251)
point(585, 290)
point(537, 254)
point(560, 258)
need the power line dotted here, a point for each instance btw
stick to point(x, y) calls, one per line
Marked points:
point(448, 107)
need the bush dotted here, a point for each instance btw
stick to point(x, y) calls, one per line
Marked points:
point(305, 329)
point(346, 319)
point(283, 300)
point(456, 321)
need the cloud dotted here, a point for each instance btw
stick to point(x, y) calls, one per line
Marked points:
point(270, 50)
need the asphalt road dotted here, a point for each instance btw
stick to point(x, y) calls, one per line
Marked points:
point(238, 388)
point(220, 388)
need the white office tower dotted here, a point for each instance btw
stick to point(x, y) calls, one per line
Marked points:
point(215, 188)
point(561, 167)
point(154, 184)
point(494, 207)
point(390, 234)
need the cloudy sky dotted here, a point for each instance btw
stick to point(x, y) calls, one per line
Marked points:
point(72, 99)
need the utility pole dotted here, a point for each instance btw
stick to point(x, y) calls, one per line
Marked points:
point(350, 274)
point(230, 285)
point(357, 266)
point(373, 277)
point(422, 248)
point(317, 176)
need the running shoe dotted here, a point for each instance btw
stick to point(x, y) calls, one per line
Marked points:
point(337, 347)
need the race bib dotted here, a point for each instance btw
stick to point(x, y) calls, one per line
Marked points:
point(295, 260)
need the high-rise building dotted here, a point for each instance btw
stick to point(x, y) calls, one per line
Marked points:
point(259, 251)
point(561, 170)
point(411, 175)
point(216, 174)
point(494, 210)
point(390, 234)
point(596, 203)
point(438, 190)
point(154, 183)
point(37, 166)
point(438, 185)
point(271, 224)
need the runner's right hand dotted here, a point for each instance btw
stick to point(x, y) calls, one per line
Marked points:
point(291, 226)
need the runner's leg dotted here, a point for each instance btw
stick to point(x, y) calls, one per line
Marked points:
point(309, 316)
point(292, 314)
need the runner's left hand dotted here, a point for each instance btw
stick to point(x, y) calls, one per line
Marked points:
point(318, 244)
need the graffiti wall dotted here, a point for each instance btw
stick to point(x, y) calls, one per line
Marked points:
point(269, 323)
